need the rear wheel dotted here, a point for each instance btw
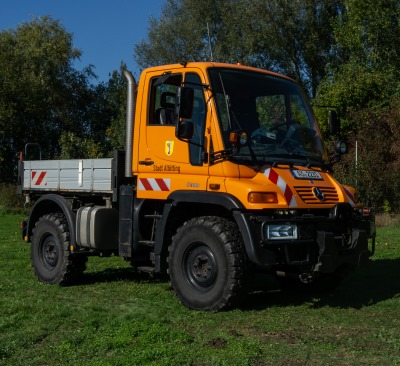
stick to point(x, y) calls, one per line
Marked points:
point(50, 254)
point(206, 263)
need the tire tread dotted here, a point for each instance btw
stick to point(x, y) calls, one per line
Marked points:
point(72, 266)
point(229, 235)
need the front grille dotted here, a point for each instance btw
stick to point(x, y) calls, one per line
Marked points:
point(307, 195)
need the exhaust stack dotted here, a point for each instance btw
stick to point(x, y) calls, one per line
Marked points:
point(130, 115)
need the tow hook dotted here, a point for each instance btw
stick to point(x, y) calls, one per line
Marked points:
point(303, 277)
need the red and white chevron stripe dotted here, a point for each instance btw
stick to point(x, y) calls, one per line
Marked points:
point(154, 184)
point(275, 178)
point(38, 178)
point(350, 196)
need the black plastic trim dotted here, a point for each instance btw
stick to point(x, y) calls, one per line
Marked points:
point(255, 252)
point(221, 199)
point(42, 207)
point(20, 178)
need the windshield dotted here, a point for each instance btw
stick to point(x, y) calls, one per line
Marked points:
point(274, 113)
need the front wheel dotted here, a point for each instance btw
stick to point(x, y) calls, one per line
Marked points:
point(206, 263)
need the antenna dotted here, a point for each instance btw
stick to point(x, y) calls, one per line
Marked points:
point(209, 43)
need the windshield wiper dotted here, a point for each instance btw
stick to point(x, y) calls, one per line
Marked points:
point(221, 155)
point(231, 154)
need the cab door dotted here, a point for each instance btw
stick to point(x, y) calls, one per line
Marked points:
point(167, 163)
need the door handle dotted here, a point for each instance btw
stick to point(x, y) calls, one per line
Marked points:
point(146, 162)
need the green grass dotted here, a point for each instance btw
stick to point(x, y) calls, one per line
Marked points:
point(116, 317)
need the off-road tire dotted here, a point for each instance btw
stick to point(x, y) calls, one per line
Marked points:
point(207, 263)
point(51, 258)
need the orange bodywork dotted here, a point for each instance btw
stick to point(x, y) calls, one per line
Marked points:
point(161, 160)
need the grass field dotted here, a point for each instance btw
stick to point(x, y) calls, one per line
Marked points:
point(116, 317)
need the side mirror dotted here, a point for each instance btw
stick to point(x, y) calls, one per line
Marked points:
point(184, 102)
point(341, 147)
point(185, 130)
point(334, 123)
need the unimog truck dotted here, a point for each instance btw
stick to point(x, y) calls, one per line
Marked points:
point(224, 174)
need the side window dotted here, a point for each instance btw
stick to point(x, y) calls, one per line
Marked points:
point(162, 100)
point(196, 144)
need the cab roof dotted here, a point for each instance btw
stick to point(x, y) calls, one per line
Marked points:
point(205, 65)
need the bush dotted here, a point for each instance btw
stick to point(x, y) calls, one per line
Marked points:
point(377, 173)
point(386, 219)
point(10, 202)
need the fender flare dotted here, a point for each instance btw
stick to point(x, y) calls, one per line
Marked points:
point(52, 203)
point(225, 200)
point(229, 202)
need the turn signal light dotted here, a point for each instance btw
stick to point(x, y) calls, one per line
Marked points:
point(214, 186)
point(262, 197)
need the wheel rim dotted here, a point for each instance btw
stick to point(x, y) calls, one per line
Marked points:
point(200, 267)
point(48, 251)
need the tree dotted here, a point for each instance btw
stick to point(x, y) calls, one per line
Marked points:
point(365, 71)
point(105, 117)
point(292, 37)
point(116, 101)
point(41, 94)
point(363, 84)
point(179, 34)
point(376, 175)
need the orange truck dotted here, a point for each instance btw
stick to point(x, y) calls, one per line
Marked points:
point(224, 174)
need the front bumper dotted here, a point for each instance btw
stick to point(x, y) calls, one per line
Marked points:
point(331, 257)
point(325, 241)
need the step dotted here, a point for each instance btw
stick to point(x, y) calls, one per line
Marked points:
point(146, 269)
point(153, 216)
point(149, 243)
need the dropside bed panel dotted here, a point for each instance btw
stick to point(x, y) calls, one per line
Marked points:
point(79, 175)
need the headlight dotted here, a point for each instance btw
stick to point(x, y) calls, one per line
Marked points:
point(280, 231)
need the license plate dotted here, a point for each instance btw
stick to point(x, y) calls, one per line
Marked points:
point(306, 174)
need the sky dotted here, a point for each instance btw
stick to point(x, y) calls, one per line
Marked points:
point(104, 30)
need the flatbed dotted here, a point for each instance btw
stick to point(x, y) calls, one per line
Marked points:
point(77, 175)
